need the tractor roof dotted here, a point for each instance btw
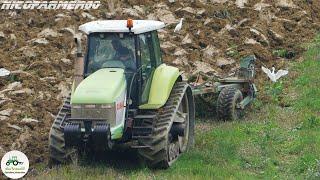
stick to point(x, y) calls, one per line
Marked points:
point(139, 26)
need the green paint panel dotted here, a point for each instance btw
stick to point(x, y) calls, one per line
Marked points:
point(244, 62)
point(101, 87)
point(162, 82)
point(117, 132)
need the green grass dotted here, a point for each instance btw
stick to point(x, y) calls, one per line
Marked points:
point(279, 138)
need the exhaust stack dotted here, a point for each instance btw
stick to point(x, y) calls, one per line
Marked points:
point(78, 63)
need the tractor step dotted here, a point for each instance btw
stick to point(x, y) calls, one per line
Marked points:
point(133, 112)
point(143, 119)
point(141, 131)
point(145, 116)
point(142, 137)
point(140, 147)
point(142, 126)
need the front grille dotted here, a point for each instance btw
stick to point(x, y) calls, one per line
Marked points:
point(94, 111)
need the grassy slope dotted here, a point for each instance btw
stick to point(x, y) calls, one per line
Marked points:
point(280, 138)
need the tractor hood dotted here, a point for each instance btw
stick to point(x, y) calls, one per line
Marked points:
point(102, 87)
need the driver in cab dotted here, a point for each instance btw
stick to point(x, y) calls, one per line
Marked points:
point(123, 54)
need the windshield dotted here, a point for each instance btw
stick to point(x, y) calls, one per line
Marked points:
point(111, 50)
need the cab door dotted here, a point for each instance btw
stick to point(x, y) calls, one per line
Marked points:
point(150, 58)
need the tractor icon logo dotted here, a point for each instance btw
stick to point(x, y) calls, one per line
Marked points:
point(14, 164)
point(13, 160)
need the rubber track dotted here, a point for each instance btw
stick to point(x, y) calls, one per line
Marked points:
point(156, 154)
point(56, 137)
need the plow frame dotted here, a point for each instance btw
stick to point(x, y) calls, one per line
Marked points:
point(243, 81)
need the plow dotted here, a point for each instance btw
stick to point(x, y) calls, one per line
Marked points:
point(123, 93)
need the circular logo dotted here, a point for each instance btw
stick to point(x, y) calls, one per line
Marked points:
point(14, 164)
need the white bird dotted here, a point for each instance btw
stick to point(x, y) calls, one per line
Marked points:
point(4, 72)
point(274, 76)
point(179, 26)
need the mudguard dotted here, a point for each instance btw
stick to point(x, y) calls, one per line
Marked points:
point(163, 80)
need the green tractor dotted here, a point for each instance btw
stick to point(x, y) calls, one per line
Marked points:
point(123, 92)
point(13, 160)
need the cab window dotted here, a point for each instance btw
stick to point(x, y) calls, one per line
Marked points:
point(110, 50)
point(156, 45)
point(148, 64)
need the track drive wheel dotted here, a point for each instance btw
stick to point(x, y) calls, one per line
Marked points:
point(173, 129)
point(228, 104)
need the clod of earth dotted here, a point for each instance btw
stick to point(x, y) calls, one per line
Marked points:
point(241, 3)
point(26, 91)
point(14, 127)
point(224, 62)
point(66, 61)
point(6, 112)
point(12, 86)
point(48, 33)
point(186, 40)
point(87, 15)
point(2, 118)
point(29, 120)
point(40, 41)
point(2, 36)
point(131, 12)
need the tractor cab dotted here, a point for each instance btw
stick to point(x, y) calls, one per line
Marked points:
point(132, 46)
